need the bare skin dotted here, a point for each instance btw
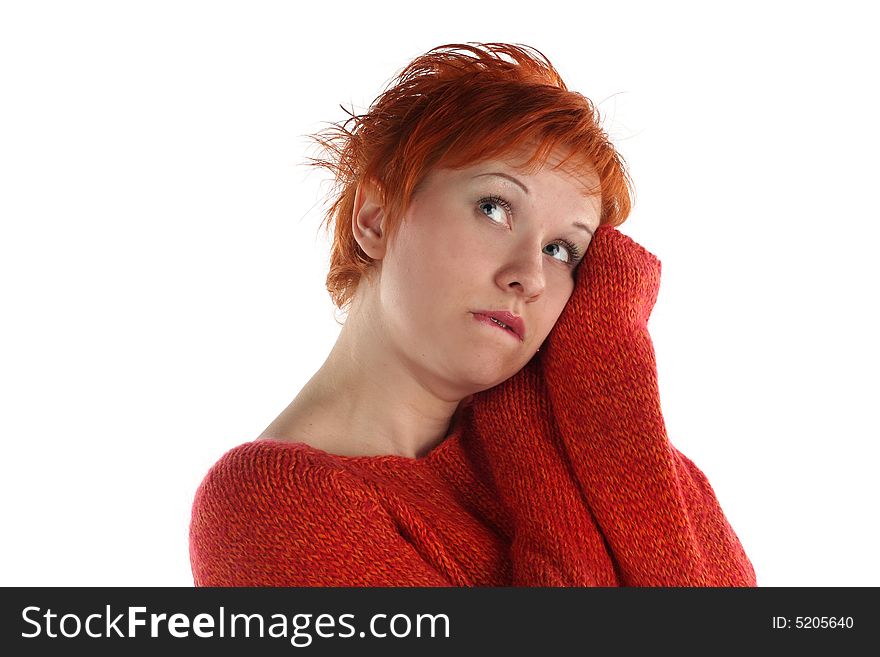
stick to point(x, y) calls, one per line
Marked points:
point(410, 350)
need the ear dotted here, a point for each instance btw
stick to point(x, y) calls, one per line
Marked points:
point(367, 217)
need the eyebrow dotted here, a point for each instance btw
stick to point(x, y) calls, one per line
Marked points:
point(576, 224)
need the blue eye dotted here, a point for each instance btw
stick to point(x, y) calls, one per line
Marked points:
point(573, 250)
point(496, 200)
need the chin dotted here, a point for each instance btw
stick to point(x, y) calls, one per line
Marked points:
point(491, 377)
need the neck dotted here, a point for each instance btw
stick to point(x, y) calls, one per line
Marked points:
point(369, 399)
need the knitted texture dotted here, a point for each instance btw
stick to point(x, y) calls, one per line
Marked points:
point(562, 475)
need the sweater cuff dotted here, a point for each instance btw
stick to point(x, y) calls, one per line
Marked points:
point(618, 282)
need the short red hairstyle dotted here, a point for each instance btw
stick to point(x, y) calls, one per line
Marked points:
point(455, 106)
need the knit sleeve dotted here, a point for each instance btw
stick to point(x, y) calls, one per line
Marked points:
point(555, 541)
point(264, 516)
point(657, 510)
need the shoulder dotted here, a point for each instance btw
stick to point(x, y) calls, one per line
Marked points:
point(271, 513)
point(263, 477)
point(257, 455)
point(265, 465)
point(264, 511)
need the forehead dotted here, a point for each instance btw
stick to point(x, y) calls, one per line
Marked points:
point(575, 169)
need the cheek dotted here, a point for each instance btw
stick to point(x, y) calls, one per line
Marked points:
point(433, 271)
point(449, 259)
point(418, 287)
point(470, 258)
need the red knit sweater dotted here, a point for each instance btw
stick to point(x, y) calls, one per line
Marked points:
point(563, 475)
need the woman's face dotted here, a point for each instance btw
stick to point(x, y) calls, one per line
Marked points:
point(474, 240)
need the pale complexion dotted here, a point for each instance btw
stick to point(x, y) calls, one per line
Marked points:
point(410, 350)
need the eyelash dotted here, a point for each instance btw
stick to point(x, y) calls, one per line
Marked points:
point(573, 249)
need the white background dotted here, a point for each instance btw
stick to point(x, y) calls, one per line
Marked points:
point(163, 274)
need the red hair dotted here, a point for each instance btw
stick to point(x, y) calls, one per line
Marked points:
point(455, 106)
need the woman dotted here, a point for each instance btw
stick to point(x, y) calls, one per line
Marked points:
point(474, 222)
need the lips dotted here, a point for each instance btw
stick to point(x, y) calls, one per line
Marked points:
point(512, 323)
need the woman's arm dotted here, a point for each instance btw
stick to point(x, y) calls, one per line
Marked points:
point(261, 519)
point(656, 508)
point(555, 540)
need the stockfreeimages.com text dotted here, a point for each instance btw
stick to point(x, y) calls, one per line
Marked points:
point(242, 625)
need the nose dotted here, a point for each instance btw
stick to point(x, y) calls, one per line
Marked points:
point(525, 272)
